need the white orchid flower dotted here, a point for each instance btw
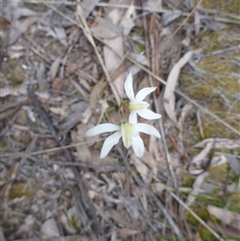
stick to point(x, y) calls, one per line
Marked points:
point(136, 104)
point(128, 132)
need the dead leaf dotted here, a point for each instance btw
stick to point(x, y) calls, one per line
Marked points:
point(125, 232)
point(54, 68)
point(4, 22)
point(56, 32)
point(184, 112)
point(114, 51)
point(226, 231)
point(127, 22)
point(141, 59)
point(23, 12)
point(208, 145)
point(196, 188)
point(86, 115)
point(61, 111)
point(217, 161)
point(45, 95)
point(75, 117)
point(198, 237)
point(18, 29)
point(234, 163)
point(67, 225)
point(104, 29)
point(22, 90)
point(227, 217)
point(220, 143)
point(79, 88)
point(150, 161)
point(57, 84)
point(60, 34)
point(121, 218)
point(141, 168)
point(64, 238)
point(197, 22)
point(30, 113)
point(43, 84)
point(19, 90)
point(16, 51)
point(153, 147)
point(2, 237)
point(159, 187)
point(25, 228)
point(88, 6)
point(170, 16)
point(84, 83)
point(83, 151)
point(95, 93)
point(199, 158)
point(169, 95)
point(49, 227)
point(152, 5)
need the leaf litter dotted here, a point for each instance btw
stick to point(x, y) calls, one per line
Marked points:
point(53, 183)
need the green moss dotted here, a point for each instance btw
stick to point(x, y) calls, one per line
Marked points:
point(22, 139)
point(140, 47)
point(36, 6)
point(15, 74)
point(37, 58)
point(216, 89)
point(15, 79)
point(203, 91)
point(26, 138)
point(207, 235)
point(188, 180)
point(212, 128)
point(3, 145)
point(222, 5)
point(217, 176)
point(19, 190)
point(234, 201)
point(218, 173)
point(76, 224)
point(138, 31)
point(201, 211)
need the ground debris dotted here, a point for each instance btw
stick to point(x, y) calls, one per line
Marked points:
point(63, 66)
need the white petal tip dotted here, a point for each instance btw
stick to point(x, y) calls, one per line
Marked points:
point(128, 86)
point(102, 156)
point(149, 115)
point(88, 134)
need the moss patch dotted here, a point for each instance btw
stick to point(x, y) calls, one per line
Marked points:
point(231, 6)
point(19, 190)
point(219, 88)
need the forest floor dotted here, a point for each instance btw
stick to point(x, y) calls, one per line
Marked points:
point(63, 69)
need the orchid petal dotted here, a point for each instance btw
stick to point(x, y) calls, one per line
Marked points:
point(137, 105)
point(109, 143)
point(128, 131)
point(138, 146)
point(128, 86)
point(144, 92)
point(147, 129)
point(99, 129)
point(132, 119)
point(148, 114)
